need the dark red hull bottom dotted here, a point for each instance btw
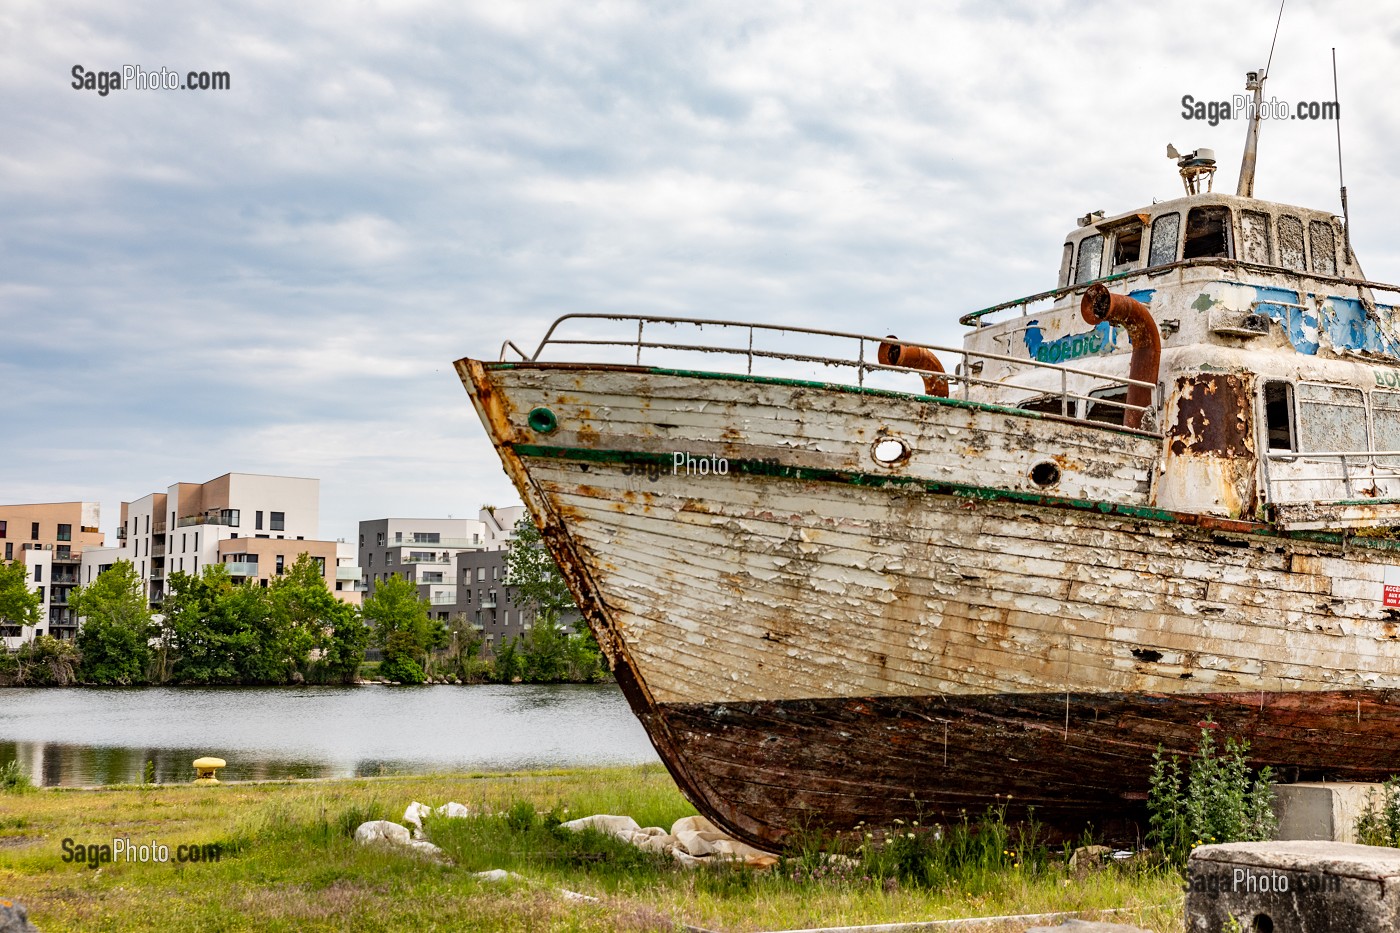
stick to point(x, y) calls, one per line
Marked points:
point(770, 769)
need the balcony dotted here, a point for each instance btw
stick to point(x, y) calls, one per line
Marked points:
point(241, 568)
point(348, 573)
point(121, 533)
point(158, 528)
point(67, 557)
point(458, 543)
point(442, 599)
point(435, 559)
point(488, 602)
point(227, 517)
point(157, 550)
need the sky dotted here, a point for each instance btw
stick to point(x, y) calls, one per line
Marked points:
point(277, 277)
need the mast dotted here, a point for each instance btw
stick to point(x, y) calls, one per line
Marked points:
point(1254, 81)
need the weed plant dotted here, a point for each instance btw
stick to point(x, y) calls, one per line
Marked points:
point(1379, 823)
point(1214, 800)
point(13, 780)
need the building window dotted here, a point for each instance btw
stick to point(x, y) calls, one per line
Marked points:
point(1165, 231)
point(1324, 250)
point(279, 564)
point(34, 531)
point(337, 585)
point(183, 542)
point(480, 574)
point(148, 524)
point(1207, 233)
point(234, 535)
point(257, 520)
point(427, 537)
point(3, 527)
point(9, 550)
point(320, 563)
point(379, 539)
point(398, 536)
point(65, 532)
point(196, 566)
point(277, 521)
point(370, 562)
point(495, 573)
point(362, 540)
point(1090, 259)
point(389, 559)
point(38, 573)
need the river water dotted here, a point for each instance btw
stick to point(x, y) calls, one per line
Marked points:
point(105, 736)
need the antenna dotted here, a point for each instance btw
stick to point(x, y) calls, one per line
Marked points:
point(1346, 219)
point(1254, 81)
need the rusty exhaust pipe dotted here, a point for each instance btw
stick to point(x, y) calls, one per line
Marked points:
point(892, 354)
point(1099, 304)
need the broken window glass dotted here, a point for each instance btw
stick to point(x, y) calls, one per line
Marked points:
point(1331, 418)
point(1090, 259)
point(1164, 236)
point(1324, 248)
point(1110, 413)
point(1127, 246)
point(1254, 234)
point(1066, 264)
point(1290, 242)
point(1278, 415)
point(1385, 420)
point(1207, 233)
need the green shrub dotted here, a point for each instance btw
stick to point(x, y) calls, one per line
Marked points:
point(1215, 800)
point(1379, 823)
point(13, 779)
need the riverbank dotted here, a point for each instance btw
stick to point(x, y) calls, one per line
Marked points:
point(288, 863)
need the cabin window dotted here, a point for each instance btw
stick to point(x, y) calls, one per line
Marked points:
point(1066, 263)
point(1110, 413)
point(1207, 233)
point(1254, 238)
point(1051, 405)
point(1090, 259)
point(1165, 230)
point(1330, 419)
point(1127, 246)
point(1324, 247)
point(1385, 419)
point(1290, 242)
point(1278, 415)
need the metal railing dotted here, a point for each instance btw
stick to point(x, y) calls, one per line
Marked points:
point(960, 382)
point(1217, 262)
point(1355, 469)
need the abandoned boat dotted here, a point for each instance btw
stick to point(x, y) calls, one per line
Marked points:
point(1164, 492)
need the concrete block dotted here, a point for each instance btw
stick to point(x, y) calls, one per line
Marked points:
point(1320, 811)
point(1299, 886)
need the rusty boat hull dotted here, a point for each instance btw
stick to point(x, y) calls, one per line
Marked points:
point(818, 637)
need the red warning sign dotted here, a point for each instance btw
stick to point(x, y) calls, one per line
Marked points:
point(1391, 587)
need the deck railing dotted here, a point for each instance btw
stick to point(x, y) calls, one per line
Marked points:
point(1354, 478)
point(860, 355)
point(1301, 281)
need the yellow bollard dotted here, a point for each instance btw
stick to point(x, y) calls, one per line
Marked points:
point(208, 769)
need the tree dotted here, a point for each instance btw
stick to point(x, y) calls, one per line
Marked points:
point(19, 604)
point(308, 617)
point(534, 576)
point(466, 645)
point(403, 629)
point(116, 631)
point(546, 653)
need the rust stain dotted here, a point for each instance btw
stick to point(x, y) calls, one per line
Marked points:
point(1212, 416)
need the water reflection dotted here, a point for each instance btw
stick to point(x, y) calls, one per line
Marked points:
point(78, 737)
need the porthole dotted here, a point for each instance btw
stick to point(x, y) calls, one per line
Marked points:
point(542, 420)
point(1045, 473)
point(888, 451)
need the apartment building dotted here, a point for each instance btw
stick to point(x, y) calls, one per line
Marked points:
point(459, 566)
point(49, 538)
point(255, 525)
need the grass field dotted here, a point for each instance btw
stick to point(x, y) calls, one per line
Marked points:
point(288, 864)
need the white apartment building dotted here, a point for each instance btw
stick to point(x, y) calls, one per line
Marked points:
point(254, 524)
point(425, 550)
point(50, 539)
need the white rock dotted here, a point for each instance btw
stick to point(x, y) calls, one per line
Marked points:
point(428, 849)
point(413, 816)
point(733, 848)
point(612, 825)
point(693, 824)
point(382, 831)
point(577, 897)
point(699, 843)
point(689, 861)
point(497, 874)
point(453, 811)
